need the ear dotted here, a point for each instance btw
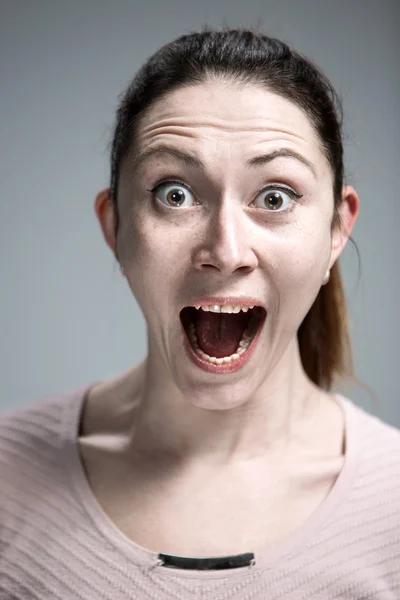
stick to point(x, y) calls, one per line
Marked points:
point(104, 210)
point(348, 211)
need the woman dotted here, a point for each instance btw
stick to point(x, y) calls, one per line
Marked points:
point(222, 466)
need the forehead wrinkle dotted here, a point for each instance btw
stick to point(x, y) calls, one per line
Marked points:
point(182, 126)
point(253, 132)
point(159, 148)
point(169, 135)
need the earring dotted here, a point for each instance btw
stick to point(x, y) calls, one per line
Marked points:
point(327, 277)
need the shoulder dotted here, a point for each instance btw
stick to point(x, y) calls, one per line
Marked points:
point(24, 427)
point(37, 501)
point(35, 446)
point(374, 432)
point(376, 444)
point(32, 440)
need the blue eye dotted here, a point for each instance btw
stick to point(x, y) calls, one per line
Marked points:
point(172, 194)
point(278, 199)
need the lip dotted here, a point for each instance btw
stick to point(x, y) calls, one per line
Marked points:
point(227, 300)
point(227, 368)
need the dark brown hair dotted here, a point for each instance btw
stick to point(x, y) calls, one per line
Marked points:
point(248, 57)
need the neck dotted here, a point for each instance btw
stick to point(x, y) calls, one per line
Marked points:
point(223, 424)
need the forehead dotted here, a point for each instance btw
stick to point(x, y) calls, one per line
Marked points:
point(226, 114)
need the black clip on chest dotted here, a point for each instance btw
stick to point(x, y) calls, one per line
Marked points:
point(207, 564)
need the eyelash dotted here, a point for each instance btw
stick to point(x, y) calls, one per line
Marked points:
point(294, 195)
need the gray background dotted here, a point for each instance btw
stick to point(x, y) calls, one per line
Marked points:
point(67, 317)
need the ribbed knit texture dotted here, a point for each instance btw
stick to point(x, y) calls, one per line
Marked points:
point(57, 543)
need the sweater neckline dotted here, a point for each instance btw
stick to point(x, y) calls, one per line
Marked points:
point(143, 557)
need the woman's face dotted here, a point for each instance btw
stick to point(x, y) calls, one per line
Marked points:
point(226, 192)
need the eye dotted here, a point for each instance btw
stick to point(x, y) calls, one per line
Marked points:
point(172, 194)
point(277, 198)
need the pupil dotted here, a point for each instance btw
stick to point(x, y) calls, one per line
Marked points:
point(176, 196)
point(275, 198)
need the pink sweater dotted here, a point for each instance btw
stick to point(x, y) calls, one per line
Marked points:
point(56, 542)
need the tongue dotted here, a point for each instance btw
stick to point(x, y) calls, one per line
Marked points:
point(219, 334)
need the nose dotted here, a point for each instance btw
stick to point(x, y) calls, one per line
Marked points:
point(227, 244)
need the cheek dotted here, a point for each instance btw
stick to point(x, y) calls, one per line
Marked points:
point(154, 259)
point(308, 260)
point(298, 277)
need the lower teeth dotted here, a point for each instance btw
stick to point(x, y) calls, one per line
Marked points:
point(244, 343)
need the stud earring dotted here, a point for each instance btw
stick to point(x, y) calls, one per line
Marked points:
point(327, 277)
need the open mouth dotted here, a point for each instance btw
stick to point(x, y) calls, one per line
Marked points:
point(221, 337)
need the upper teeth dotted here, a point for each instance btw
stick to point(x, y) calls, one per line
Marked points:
point(224, 308)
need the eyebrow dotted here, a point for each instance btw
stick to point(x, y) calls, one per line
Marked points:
point(192, 161)
point(285, 153)
point(189, 159)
